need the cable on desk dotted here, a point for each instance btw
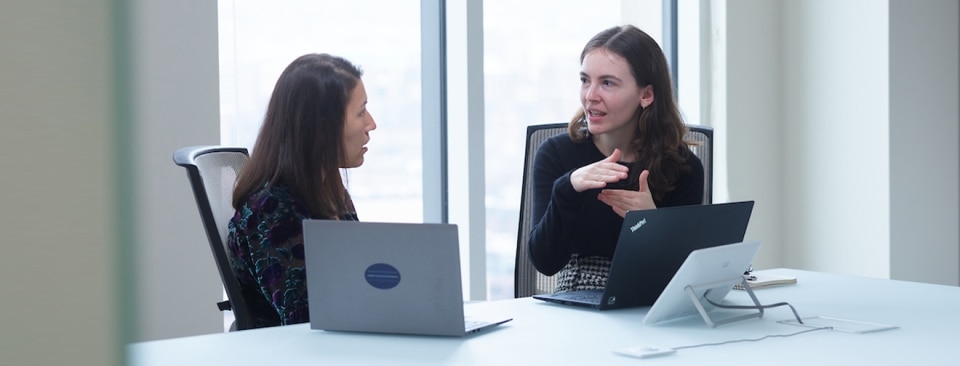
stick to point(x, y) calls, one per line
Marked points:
point(741, 307)
point(754, 339)
point(795, 314)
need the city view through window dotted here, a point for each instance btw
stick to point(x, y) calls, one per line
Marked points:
point(531, 68)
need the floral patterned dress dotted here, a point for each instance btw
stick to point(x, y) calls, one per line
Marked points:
point(265, 245)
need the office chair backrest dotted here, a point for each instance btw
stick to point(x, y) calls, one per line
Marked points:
point(703, 135)
point(527, 281)
point(212, 171)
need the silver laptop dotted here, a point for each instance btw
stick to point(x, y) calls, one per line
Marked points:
point(386, 278)
point(710, 273)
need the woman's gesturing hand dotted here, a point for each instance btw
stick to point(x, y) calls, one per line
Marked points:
point(598, 174)
point(623, 200)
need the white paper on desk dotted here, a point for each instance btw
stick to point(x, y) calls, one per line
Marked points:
point(842, 325)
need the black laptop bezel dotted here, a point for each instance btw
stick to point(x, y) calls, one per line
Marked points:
point(646, 265)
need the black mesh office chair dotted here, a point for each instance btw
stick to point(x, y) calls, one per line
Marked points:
point(703, 136)
point(526, 280)
point(212, 171)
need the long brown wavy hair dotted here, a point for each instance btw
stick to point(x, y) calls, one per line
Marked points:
point(300, 144)
point(658, 141)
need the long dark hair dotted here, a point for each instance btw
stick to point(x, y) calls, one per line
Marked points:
point(300, 144)
point(658, 141)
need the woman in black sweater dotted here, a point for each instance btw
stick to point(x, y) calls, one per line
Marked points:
point(624, 151)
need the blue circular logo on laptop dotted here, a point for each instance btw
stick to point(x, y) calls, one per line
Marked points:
point(382, 276)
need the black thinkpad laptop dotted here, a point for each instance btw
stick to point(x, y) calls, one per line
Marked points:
point(652, 246)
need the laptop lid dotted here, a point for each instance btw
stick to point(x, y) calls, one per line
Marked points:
point(652, 246)
point(710, 272)
point(384, 277)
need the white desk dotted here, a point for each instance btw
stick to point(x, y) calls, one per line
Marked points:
point(547, 334)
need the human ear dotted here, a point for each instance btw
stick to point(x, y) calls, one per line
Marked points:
point(646, 96)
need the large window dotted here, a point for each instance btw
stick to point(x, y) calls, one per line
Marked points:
point(258, 39)
point(530, 75)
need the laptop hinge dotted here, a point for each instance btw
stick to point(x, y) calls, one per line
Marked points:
point(224, 305)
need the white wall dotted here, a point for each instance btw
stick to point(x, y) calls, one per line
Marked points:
point(836, 124)
point(175, 61)
point(924, 119)
point(750, 135)
point(58, 191)
point(859, 100)
point(65, 200)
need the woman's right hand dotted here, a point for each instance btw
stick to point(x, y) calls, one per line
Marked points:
point(598, 174)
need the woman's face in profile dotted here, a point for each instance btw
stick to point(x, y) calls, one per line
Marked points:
point(357, 124)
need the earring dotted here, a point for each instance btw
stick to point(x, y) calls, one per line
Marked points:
point(584, 129)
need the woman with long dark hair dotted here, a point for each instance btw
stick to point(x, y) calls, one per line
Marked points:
point(316, 124)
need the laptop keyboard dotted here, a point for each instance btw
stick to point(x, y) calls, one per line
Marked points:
point(593, 297)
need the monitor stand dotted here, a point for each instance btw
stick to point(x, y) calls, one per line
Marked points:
point(692, 291)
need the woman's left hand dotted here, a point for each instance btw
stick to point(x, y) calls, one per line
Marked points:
point(622, 200)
